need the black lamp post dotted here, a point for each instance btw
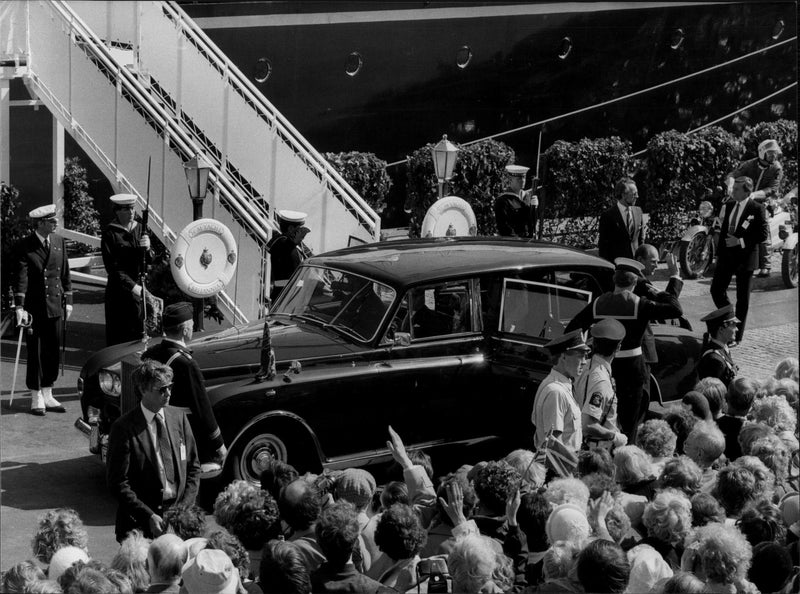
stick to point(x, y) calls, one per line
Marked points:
point(444, 156)
point(197, 170)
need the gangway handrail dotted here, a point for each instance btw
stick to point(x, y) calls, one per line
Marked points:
point(244, 208)
point(243, 85)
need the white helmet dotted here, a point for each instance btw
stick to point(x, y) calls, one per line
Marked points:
point(768, 145)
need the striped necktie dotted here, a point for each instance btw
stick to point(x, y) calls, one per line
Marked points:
point(732, 221)
point(629, 220)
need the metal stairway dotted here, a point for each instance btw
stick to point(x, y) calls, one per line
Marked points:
point(124, 114)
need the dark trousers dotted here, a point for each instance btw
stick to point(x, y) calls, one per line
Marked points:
point(43, 342)
point(719, 290)
point(629, 374)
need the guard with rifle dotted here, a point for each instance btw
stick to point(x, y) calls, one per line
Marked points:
point(42, 297)
point(126, 253)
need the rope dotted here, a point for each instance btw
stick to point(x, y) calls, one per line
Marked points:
point(623, 97)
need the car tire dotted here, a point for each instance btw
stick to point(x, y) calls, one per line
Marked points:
point(266, 441)
point(789, 267)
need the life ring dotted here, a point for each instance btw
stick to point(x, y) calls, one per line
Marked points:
point(450, 216)
point(203, 258)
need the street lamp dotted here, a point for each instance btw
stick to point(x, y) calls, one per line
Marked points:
point(444, 160)
point(197, 170)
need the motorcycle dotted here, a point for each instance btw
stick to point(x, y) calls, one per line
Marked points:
point(787, 234)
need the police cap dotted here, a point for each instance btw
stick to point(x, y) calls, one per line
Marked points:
point(608, 329)
point(517, 170)
point(573, 341)
point(123, 199)
point(629, 265)
point(48, 211)
point(720, 316)
point(177, 313)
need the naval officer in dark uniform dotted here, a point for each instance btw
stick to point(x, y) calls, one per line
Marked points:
point(633, 312)
point(716, 360)
point(285, 254)
point(515, 208)
point(188, 385)
point(124, 246)
point(43, 292)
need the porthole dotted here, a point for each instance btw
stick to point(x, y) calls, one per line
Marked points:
point(777, 30)
point(263, 70)
point(353, 64)
point(676, 39)
point(564, 48)
point(463, 57)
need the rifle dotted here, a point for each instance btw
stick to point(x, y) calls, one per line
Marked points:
point(143, 270)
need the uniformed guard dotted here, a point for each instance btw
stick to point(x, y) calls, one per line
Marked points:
point(515, 208)
point(716, 359)
point(188, 385)
point(634, 312)
point(554, 406)
point(284, 249)
point(126, 251)
point(43, 290)
point(595, 389)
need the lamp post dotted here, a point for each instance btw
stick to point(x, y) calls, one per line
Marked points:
point(444, 156)
point(197, 170)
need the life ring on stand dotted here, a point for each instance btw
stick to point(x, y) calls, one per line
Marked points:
point(203, 258)
point(450, 216)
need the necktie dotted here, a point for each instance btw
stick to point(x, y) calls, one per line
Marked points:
point(732, 221)
point(164, 449)
point(47, 244)
point(629, 220)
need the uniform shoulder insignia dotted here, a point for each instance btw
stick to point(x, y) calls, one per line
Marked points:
point(596, 399)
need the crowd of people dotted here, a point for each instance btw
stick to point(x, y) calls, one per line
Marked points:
point(705, 500)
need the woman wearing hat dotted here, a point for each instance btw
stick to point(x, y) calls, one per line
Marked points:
point(716, 359)
point(126, 251)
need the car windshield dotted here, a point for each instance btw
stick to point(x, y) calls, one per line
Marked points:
point(348, 303)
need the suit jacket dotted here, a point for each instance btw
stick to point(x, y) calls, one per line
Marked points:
point(41, 280)
point(752, 229)
point(132, 469)
point(614, 241)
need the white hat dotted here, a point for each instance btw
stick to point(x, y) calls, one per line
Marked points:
point(48, 211)
point(517, 170)
point(63, 559)
point(123, 199)
point(292, 216)
point(210, 572)
point(647, 568)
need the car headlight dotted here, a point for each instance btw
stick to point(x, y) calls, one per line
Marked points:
point(110, 380)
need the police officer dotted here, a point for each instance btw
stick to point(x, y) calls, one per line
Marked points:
point(716, 360)
point(126, 249)
point(188, 385)
point(515, 209)
point(634, 312)
point(43, 291)
point(595, 389)
point(284, 249)
point(554, 406)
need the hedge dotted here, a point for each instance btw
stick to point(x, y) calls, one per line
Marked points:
point(79, 211)
point(366, 174)
point(14, 226)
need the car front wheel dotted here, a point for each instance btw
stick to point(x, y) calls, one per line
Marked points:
point(263, 444)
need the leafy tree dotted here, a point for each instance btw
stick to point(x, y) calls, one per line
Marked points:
point(13, 227)
point(79, 211)
point(367, 175)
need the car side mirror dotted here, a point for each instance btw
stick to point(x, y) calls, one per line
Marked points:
point(401, 338)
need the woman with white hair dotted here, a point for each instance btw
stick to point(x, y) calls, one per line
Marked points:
point(668, 519)
point(777, 413)
point(475, 566)
point(721, 556)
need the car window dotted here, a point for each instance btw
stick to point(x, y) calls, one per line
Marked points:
point(538, 310)
point(577, 280)
point(437, 310)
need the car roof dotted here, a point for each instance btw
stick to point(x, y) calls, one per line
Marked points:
point(417, 261)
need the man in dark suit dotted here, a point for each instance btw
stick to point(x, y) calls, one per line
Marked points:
point(621, 227)
point(43, 291)
point(152, 457)
point(189, 390)
point(744, 226)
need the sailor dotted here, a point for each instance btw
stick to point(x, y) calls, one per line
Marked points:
point(634, 312)
point(43, 292)
point(188, 385)
point(126, 251)
point(515, 208)
point(284, 249)
point(716, 360)
point(554, 406)
point(595, 389)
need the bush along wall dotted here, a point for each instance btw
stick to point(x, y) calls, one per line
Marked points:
point(366, 174)
point(578, 185)
point(785, 132)
point(79, 211)
point(682, 170)
point(13, 227)
point(477, 178)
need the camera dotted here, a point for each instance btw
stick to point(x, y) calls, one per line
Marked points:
point(435, 569)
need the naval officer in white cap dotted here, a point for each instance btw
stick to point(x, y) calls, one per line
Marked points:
point(284, 249)
point(125, 247)
point(515, 208)
point(43, 291)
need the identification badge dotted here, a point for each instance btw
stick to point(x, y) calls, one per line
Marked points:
point(183, 452)
point(745, 225)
